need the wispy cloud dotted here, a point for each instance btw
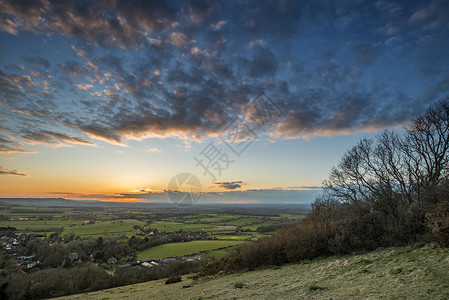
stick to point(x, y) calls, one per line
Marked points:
point(154, 150)
point(6, 172)
point(230, 185)
point(53, 138)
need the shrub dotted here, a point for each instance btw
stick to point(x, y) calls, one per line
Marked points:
point(315, 287)
point(173, 279)
point(335, 230)
point(238, 285)
point(438, 223)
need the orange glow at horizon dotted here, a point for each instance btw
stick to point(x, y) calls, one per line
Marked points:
point(123, 200)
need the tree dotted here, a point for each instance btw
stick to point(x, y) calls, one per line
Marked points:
point(399, 175)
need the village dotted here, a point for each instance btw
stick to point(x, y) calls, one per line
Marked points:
point(21, 248)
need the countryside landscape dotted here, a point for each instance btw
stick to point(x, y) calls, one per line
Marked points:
point(224, 149)
point(152, 242)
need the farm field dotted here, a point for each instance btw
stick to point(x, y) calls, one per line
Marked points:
point(184, 248)
point(168, 226)
point(121, 227)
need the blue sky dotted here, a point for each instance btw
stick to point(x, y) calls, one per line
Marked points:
point(111, 99)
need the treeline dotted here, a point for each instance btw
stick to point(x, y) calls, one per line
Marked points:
point(388, 191)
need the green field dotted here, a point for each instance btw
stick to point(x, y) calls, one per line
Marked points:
point(121, 227)
point(254, 227)
point(244, 221)
point(392, 273)
point(178, 249)
point(292, 216)
point(36, 225)
point(219, 252)
point(233, 237)
point(176, 226)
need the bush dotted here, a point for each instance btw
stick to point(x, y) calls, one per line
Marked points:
point(438, 223)
point(334, 230)
point(315, 287)
point(238, 285)
point(173, 279)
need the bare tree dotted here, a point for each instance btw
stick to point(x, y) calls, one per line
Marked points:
point(400, 174)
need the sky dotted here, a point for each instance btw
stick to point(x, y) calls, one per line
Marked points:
point(240, 101)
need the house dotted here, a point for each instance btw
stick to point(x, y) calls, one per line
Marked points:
point(73, 257)
point(112, 261)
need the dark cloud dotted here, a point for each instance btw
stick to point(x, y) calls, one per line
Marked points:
point(105, 22)
point(52, 138)
point(263, 63)
point(25, 14)
point(73, 68)
point(189, 68)
point(97, 131)
point(9, 146)
point(364, 53)
point(37, 61)
point(6, 172)
point(199, 10)
point(433, 15)
point(230, 185)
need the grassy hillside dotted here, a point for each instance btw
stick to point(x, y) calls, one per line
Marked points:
point(393, 273)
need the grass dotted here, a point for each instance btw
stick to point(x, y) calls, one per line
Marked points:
point(121, 227)
point(424, 274)
point(177, 249)
point(218, 253)
point(244, 221)
point(232, 237)
point(292, 216)
point(176, 226)
point(253, 227)
point(37, 225)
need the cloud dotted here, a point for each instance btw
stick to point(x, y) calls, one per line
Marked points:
point(230, 185)
point(8, 146)
point(364, 53)
point(179, 39)
point(263, 63)
point(104, 22)
point(26, 15)
point(37, 61)
point(154, 150)
point(99, 132)
point(187, 69)
point(200, 10)
point(84, 87)
point(53, 138)
point(6, 172)
point(219, 25)
point(432, 16)
point(72, 68)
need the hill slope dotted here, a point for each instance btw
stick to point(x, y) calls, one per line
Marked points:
point(409, 272)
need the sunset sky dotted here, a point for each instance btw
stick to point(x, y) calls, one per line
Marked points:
point(109, 100)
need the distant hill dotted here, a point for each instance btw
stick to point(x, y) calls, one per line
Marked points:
point(392, 273)
point(252, 209)
point(55, 202)
point(3, 204)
